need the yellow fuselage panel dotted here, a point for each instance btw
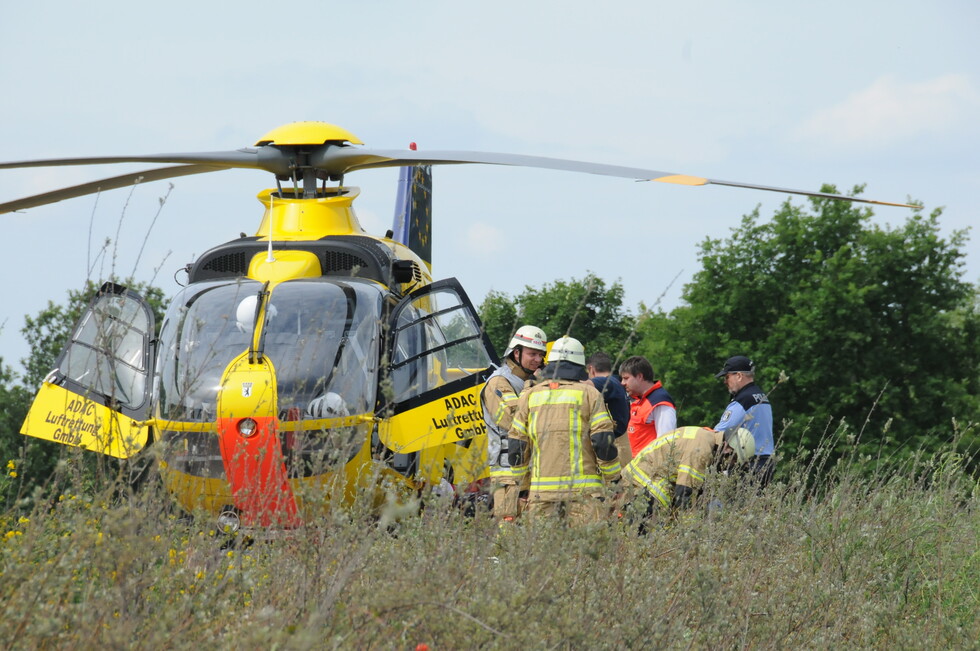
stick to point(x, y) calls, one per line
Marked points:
point(284, 265)
point(294, 219)
point(448, 420)
point(469, 463)
point(64, 417)
point(248, 389)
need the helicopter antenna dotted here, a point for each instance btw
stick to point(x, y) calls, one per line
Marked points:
point(270, 257)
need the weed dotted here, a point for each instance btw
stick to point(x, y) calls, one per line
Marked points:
point(885, 562)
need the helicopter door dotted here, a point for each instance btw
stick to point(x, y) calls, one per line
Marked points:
point(439, 358)
point(99, 390)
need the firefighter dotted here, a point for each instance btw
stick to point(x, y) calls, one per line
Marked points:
point(524, 355)
point(670, 470)
point(562, 436)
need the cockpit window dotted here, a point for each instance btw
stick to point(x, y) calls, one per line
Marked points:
point(323, 342)
point(436, 341)
point(321, 337)
point(199, 338)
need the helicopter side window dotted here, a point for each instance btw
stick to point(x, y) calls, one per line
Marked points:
point(106, 353)
point(437, 341)
point(409, 344)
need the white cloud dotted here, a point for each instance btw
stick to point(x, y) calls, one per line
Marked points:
point(890, 111)
point(484, 241)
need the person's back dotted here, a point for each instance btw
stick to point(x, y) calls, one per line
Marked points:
point(599, 368)
point(678, 458)
point(561, 415)
point(562, 436)
point(617, 402)
point(668, 473)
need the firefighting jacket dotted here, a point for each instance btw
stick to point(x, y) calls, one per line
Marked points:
point(499, 400)
point(680, 458)
point(557, 421)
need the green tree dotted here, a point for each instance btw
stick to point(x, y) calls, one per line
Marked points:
point(585, 309)
point(499, 315)
point(874, 326)
point(14, 401)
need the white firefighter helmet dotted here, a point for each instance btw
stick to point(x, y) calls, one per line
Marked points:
point(743, 443)
point(245, 314)
point(567, 349)
point(528, 336)
point(329, 405)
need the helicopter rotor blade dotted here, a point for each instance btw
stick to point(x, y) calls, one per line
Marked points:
point(270, 159)
point(807, 193)
point(103, 185)
point(338, 161)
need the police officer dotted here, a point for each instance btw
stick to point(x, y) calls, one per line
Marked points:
point(562, 436)
point(750, 409)
point(524, 355)
point(671, 469)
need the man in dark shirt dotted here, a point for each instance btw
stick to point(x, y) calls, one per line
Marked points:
point(599, 367)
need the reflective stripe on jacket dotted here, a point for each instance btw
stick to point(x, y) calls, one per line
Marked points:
point(681, 457)
point(557, 419)
point(499, 400)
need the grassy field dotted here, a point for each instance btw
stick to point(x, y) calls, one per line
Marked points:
point(844, 562)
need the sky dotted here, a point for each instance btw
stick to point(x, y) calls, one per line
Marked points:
point(794, 95)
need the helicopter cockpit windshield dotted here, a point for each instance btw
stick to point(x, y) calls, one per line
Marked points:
point(320, 335)
point(323, 340)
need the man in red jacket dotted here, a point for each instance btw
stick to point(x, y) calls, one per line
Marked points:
point(652, 411)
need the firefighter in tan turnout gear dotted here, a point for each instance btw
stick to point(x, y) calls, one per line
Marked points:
point(667, 473)
point(524, 355)
point(563, 437)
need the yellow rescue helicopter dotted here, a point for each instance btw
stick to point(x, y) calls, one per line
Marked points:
point(303, 363)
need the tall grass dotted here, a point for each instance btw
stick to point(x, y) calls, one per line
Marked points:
point(825, 557)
